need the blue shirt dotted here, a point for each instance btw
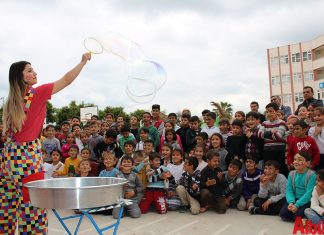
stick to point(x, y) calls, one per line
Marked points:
point(112, 173)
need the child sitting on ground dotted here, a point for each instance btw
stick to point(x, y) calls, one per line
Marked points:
point(155, 190)
point(189, 187)
point(232, 183)
point(109, 160)
point(299, 188)
point(133, 188)
point(212, 194)
point(251, 183)
point(140, 166)
point(316, 212)
point(272, 193)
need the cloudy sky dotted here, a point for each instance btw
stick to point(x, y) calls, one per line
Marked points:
point(211, 50)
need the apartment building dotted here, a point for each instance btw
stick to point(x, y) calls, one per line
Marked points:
point(294, 66)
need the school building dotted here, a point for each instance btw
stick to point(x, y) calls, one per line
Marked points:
point(294, 66)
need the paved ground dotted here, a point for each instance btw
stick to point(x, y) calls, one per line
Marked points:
point(174, 223)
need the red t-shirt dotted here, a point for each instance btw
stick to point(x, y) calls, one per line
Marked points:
point(307, 144)
point(35, 114)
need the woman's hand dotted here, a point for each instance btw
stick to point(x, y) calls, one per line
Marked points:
point(86, 57)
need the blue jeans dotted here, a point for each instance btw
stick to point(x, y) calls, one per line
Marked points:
point(287, 215)
point(313, 216)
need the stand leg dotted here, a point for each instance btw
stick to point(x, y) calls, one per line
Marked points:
point(78, 226)
point(61, 221)
point(94, 224)
point(118, 220)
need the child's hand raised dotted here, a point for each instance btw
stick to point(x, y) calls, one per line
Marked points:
point(210, 182)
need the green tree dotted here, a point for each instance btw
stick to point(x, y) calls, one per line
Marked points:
point(227, 107)
point(138, 113)
point(114, 110)
point(50, 113)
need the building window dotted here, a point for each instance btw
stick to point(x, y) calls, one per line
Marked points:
point(297, 77)
point(275, 80)
point(285, 79)
point(308, 76)
point(284, 59)
point(287, 98)
point(299, 97)
point(307, 55)
point(274, 60)
point(295, 57)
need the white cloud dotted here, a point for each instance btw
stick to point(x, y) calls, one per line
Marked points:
point(211, 50)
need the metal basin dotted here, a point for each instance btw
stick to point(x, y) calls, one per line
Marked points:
point(76, 193)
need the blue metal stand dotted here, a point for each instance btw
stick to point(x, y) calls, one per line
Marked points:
point(86, 212)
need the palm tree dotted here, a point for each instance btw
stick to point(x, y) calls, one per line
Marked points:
point(226, 107)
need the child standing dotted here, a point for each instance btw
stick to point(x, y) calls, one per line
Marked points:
point(316, 212)
point(84, 169)
point(317, 132)
point(200, 155)
point(65, 148)
point(133, 188)
point(225, 129)
point(56, 165)
point(85, 155)
point(50, 143)
point(189, 187)
point(155, 190)
point(71, 163)
point(182, 131)
point(166, 154)
point(299, 188)
point(210, 124)
point(144, 135)
point(134, 127)
point(109, 160)
point(94, 139)
point(251, 183)
point(171, 138)
point(302, 142)
point(212, 194)
point(273, 133)
point(253, 143)
point(125, 137)
point(192, 133)
point(217, 144)
point(235, 142)
point(232, 183)
point(272, 193)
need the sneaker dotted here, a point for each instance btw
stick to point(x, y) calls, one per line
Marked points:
point(183, 209)
point(251, 210)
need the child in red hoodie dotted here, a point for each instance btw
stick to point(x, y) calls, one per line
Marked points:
point(302, 142)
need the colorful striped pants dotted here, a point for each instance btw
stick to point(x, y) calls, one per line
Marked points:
point(19, 162)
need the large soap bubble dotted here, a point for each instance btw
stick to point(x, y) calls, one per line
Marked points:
point(145, 76)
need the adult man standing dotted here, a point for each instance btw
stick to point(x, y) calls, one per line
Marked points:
point(308, 94)
point(255, 108)
point(285, 109)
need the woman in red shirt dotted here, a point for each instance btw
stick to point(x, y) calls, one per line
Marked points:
point(23, 117)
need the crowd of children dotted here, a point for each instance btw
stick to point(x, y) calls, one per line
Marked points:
point(263, 164)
